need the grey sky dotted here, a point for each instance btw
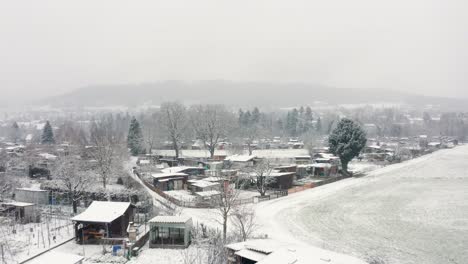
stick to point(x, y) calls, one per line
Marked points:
point(48, 47)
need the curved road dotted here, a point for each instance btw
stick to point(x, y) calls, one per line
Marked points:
point(412, 212)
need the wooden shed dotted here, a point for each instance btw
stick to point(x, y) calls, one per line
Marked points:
point(103, 220)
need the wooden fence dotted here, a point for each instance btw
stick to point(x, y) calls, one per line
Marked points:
point(315, 184)
point(206, 204)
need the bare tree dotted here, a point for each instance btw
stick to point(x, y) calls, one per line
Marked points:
point(107, 147)
point(151, 131)
point(174, 118)
point(250, 134)
point(211, 124)
point(244, 221)
point(71, 178)
point(226, 203)
point(261, 175)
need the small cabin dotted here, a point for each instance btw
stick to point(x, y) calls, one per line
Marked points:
point(169, 181)
point(170, 232)
point(31, 195)
point(103, 220)
point(22, 212)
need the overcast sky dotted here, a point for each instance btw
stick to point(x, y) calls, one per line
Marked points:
point(49, 47)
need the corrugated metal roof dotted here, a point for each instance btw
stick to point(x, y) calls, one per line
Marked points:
point(250, 254)
point(171, 219)
point(102, 212)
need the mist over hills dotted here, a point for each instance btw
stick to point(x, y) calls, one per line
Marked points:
point(241, 94)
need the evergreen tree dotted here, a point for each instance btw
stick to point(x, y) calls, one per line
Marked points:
point(135, 138)
point(346, 141)
point(15, 133)
point(294, 118)
point(318, 126)
point(47, 134)
point(247, 118)
point(301, 111)
point(308, 118)
point(241, 117)
point(255, 116)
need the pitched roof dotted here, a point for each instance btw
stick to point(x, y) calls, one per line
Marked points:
point(167, 175)
point(170, 219)
point(178, 169)
point(102, 212)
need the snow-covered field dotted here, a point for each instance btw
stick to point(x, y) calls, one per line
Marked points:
point(412, 212)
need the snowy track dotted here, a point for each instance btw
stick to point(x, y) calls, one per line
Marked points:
point(413, 212)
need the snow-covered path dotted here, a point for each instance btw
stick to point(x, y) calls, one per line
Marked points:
point(413, 212)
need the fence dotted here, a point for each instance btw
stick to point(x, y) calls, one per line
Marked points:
point(207, 204)
point(315, 184)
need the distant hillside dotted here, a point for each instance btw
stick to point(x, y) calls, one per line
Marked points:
point(238, 94)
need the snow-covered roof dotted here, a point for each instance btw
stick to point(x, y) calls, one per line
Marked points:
point(102, 212)
point(321, 165)
point(203, 184)
point(31, 189)
point(269, 251)
point(144, 162)
point(171, 219)
point(47, 156)
point(167, 175)
point(306, 255)
point(261, 245)
point(178, 169)
point(18, 204)
point(212, 179)
point(250, 254)
point(207, 193)
point(279, 174)
point(56, 257)
point(240, 158)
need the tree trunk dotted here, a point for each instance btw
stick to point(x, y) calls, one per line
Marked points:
point(212, 151)
point(250, 150)
point(176, 148)
point(344, 166)
point(225, 218)
point(75, 206)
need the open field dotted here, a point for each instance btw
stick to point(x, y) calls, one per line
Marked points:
point(413, 212)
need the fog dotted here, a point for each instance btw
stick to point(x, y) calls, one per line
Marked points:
point(50, 47)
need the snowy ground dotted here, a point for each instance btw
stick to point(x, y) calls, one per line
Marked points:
point(25, 240)
point(413, 212)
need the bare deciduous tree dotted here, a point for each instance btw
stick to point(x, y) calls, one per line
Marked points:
point(174, 119)
point(261, 175)
point(68, 172)
point(151, 131)
point(211, 124)
point(244, 221)
point(107, 144)
point(226, 203)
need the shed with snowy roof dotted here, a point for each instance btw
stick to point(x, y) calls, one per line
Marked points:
point(103, 220)
point(170, 231)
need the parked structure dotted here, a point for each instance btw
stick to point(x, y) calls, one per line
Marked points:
point(268, 251)
point(170, 232)
point(22, 212)
point(103, 220)
point(31, 195)
point(170, 181)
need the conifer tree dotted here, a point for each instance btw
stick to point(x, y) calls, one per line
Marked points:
point(135, 138)
point(47, 134)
